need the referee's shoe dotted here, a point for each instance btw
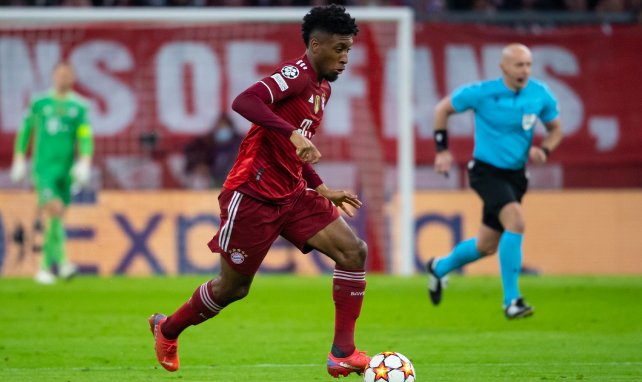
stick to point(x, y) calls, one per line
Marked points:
point(518, 308)
point(435, 284)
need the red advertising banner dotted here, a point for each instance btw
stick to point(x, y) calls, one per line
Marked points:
point(175, 81)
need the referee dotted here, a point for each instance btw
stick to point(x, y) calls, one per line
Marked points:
point(506, 111)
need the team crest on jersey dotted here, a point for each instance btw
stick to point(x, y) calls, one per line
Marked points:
point(317, 103)
point(237, 256)
point(528, 121)
point(290, 72)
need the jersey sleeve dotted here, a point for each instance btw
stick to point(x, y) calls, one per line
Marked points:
point(24, 133)
point(550, 111)
point(466, 97)
point(286, 82)
point(310, 176)
point(84, 134)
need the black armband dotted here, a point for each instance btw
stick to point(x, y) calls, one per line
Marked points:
point(546, 151)
point(441, 140)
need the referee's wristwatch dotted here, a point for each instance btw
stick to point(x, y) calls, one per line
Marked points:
point(546, 151)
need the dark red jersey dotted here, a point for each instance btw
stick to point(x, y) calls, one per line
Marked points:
point(267, 166)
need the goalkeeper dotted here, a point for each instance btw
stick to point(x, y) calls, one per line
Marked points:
point(57, 124)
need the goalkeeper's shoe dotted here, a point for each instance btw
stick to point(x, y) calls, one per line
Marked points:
point(68, 270)
point(166, 350)
point(436, 284)
point(518, 308)
point(357, 362)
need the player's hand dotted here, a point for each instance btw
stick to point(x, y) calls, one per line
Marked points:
point(537, 155)
point(81, 171)
point(443, 161)
point(305, 149)
point(18, 168)
point(342, 199)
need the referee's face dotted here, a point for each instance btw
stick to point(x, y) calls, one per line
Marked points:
point(516, 66)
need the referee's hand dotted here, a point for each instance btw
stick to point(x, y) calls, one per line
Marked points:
point(537, 155)
point(443, 161)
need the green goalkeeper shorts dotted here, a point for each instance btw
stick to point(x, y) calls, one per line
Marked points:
point(51, 186)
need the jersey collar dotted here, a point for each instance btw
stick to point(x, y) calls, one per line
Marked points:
point(311, 72)
point(502, 84)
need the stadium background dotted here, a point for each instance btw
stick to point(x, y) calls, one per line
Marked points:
point(144, 216)
point(153, 94)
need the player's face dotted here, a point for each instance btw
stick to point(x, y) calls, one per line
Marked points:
point(63, 78)
point(331, 55)
point(517, 69)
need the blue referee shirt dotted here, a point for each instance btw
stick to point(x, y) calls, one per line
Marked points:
point(504, 119)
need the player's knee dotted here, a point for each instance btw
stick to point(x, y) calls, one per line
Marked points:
point(487, 247)
point(228, 292)
point(517, 225)
point(355, 256)
point(54, 208)
point(242, 292)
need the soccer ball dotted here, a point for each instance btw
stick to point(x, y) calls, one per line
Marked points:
point(389, 367)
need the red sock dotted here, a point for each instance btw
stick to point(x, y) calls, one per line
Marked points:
point(199, 308)
point(348, 288)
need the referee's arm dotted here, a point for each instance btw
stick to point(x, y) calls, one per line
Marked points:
point(443, 158)
point(553, 138)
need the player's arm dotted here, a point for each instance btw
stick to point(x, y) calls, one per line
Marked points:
point(339, 198)
point(81, 171)
point(21, 144)
point(553, 139)
point(443, 158)
point(550, 117)
point(252, 104)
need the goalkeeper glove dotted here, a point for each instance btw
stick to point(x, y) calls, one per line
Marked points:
point(81, 171)
point(18, 168)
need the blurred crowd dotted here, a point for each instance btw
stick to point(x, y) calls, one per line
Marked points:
point(422, 6)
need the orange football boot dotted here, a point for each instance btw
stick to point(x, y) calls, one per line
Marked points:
point(357, 362)
point(166, 350)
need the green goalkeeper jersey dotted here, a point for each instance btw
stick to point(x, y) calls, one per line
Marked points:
point(59, 126)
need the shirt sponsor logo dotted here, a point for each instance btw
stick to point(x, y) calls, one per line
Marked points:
point(280, 81)
point(528, 121)
point(290, 72)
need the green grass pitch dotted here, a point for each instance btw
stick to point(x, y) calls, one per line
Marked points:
point(93, 329)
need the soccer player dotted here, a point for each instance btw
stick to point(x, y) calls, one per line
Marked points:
point(273, 190)
point(57, 123)
point(506, 111)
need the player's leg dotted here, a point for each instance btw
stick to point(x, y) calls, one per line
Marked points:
point(50, 202)
point(243, 240)
point(349, 252)
point(465, 252)
point(208, 300)
point(510, 260)
point(338, 242)
point(315, 223)
point(55, 209)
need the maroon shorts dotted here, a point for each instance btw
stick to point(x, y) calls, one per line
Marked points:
point(250, 226)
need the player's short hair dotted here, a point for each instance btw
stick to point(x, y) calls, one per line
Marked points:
point(332, 19)
point(63, 63)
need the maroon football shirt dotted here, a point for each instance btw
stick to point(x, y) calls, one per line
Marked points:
point(267, 166)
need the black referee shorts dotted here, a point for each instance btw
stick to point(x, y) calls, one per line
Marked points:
point(496, 187)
